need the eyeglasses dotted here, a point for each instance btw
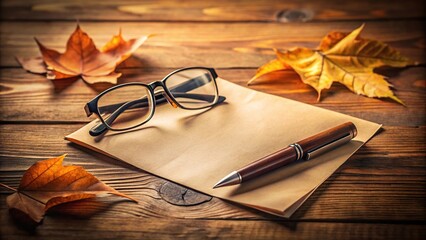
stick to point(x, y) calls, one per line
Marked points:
point(130, 105)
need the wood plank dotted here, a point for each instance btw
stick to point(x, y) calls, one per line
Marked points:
point(29, 97)
point(134, 227)
point(217, 10)
point(218, 45)
point(384, 181)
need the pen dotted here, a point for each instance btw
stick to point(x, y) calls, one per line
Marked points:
point(305, 149)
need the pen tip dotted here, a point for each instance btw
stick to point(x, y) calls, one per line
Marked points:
point(231, 179)
point(217, 185)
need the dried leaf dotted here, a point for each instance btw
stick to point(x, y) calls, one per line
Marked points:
point(110, 78)
point(34, 209)
point(346, 58)
point(271, 66)
point(121, 48)
point(331, 39)
point(48, 183)
point(82, 58)
point(33, 64)
point(83, 208)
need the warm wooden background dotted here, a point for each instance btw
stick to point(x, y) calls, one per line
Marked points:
point(379, 193)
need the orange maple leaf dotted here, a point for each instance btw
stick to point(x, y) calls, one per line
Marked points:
point(48, 183)
point(82, 58)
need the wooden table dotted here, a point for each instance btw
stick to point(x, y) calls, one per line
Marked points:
point(379, 193)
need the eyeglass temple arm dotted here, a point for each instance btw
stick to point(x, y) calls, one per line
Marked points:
point(143, 102)
point(159, 99)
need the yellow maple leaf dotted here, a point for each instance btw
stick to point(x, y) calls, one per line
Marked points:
point(341, 57)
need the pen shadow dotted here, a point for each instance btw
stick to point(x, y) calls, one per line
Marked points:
point(288, 223)
point(305, 208)
point(283, 173)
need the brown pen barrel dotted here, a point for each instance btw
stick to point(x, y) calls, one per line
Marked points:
point(314, 142)
point(288, 155)
point(268, 163)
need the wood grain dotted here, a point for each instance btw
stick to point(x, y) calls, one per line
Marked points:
point(219, 45)
point(387, 173)
point(144, 228)
point(202, 11)
point(28, 97)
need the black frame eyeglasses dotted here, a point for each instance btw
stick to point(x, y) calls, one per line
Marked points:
point(130, 105)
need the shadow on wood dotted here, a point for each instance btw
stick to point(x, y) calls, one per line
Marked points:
point(60, 85)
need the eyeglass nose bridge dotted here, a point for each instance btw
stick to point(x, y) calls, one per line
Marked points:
point(165, 94)
point(155, 84)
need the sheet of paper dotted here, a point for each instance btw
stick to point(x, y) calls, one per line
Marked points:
point(198, 148)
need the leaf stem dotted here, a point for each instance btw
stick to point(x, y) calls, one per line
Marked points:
point(16, 190)
point(10, 188)
point(32, 198)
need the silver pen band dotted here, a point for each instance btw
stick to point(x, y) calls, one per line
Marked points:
point(298, 149)
point(239, 176)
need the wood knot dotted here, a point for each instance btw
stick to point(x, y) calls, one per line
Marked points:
point(295, 15)
point(181, 196)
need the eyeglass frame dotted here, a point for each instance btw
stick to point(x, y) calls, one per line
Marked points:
point(92, 107)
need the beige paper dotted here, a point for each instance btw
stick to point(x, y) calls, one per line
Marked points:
point(198, 148)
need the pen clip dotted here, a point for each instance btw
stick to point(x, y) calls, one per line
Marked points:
point(327, 147)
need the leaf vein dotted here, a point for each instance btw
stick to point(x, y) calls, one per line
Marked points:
point(43, 172)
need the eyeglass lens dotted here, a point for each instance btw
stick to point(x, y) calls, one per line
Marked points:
point(126, 106)
point(193, 88)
